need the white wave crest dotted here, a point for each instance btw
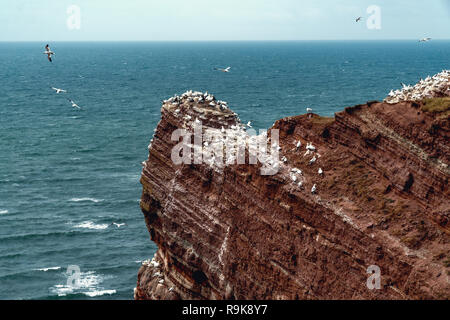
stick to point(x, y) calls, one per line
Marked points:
point(89, 284)
point(99, 293)
point(4, 211)
point(86, 200)
point(91, 225)
point(48, 269)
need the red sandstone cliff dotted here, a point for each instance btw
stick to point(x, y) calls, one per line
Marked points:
point(232, 233)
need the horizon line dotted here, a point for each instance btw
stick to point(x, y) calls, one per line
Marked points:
point(293, 40)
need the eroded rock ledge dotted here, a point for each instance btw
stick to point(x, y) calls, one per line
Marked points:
point(231, 233)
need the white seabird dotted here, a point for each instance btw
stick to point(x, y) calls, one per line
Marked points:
point(309, 110)
point(320, 172)
point(49, 53)
point(358, 19)
point(118, 225)
point(314, 189)
point(310, 147)
point(249, 124)
point(424, 39)
point(74, 104)
point(313, 160)
point(299, 144)
point(226, 70)
point(58, 90)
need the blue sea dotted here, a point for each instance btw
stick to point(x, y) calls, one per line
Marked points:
point(66, 175)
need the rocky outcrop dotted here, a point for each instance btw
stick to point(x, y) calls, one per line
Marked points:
point(228, 232)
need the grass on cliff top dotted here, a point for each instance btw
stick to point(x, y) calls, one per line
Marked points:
point(436, 105)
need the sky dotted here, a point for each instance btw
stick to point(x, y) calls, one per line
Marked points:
point(221, 20)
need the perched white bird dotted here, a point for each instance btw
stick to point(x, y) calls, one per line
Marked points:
point(309, 110)
point(58, 90)
point(320, 171)
point(313, 160)
point(310, 147)
point(49, 53)
point(224, 70)
point(299, 144)
point(74, 104)
point(314, 189)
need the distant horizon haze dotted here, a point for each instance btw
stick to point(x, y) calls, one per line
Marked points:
point(220, 20)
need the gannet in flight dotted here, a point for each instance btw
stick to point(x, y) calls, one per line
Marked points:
point(73, 104)
point(49, 53)
point(58, 90)
point(249, 124)
point(224, 70)
point(425, 40)
point(118, 225)
point(358, 19)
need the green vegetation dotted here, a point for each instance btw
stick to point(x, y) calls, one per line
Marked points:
point(322, 120)
point(447, 263)
point(436, 105)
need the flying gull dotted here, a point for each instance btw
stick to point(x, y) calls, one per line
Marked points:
point(224, 70)
point(424, 39)
point(358, 19)
point(49, 53)
point(58, 90)
point(118, 225)
point(74, 104)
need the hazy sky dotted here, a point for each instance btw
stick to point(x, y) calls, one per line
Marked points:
point(46, 20)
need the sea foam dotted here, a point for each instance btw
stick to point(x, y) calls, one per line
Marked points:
point(98, 293)
point(86, 200)
point(48, 269)
point(88, 284)
point(91, 225)
point(4, 211)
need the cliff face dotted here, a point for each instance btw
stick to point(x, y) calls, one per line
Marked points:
point(228, 232)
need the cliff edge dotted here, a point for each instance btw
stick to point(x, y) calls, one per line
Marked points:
point(365, 191)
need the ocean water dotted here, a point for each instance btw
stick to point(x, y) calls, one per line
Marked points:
point(66, 175)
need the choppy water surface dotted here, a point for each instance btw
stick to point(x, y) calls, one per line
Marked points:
point(66, 175)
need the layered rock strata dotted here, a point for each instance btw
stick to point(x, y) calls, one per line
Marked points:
point(366, 189)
